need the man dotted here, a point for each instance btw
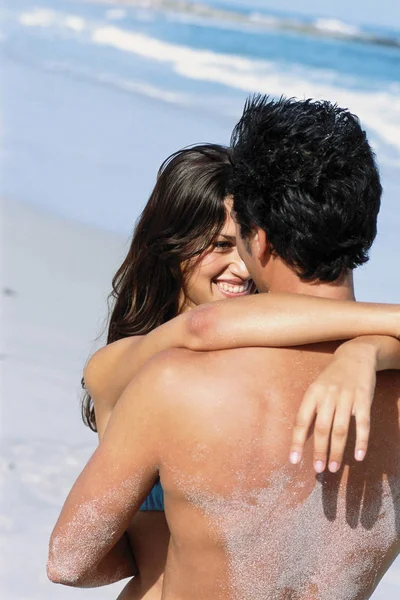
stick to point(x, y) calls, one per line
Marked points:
point(245, 523)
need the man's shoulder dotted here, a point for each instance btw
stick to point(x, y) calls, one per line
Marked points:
point(169, 367)
point(181, 363)
point(177, 371)
point(172, 360)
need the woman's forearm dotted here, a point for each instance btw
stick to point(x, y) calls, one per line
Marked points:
point(264, 320)
point(286, 320)
point(260, 320)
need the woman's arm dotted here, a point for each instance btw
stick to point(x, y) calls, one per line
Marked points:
point(258, 320)
point(266, 320)
point(387, 350)
point(285, 320)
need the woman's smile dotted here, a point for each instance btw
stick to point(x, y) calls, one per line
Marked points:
point(233, 288)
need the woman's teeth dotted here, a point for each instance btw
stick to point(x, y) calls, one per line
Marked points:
point(233, 289)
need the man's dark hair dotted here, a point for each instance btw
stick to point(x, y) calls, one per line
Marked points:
point(304, 172)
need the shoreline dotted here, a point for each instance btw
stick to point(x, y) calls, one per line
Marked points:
point(57, 275)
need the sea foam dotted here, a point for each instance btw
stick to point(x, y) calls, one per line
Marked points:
point(337, 27)
point(379, 110)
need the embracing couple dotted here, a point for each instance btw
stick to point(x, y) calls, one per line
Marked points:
point(233, 458)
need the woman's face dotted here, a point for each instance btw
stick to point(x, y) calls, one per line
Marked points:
point(220, 273)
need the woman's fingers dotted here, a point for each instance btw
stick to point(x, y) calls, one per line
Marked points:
point(362, 412)
point(332, 407)
point(340, 431)
point(304, 420)
point(322, 430)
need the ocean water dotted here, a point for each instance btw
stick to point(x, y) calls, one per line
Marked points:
point(97, 94)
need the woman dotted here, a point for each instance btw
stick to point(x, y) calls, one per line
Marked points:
point(183, 255)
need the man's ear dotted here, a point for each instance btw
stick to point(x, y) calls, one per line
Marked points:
point(261, 245)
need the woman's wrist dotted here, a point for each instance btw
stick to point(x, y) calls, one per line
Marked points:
point(361, 349)
point(393, 313)
point(383, 350)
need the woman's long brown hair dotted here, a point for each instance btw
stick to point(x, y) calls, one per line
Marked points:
point(184, 214)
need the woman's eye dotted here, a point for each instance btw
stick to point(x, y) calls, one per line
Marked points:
point(222, 245)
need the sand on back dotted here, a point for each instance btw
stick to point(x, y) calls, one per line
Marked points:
point(247, 525)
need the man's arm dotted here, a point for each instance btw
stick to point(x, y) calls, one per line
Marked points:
point(111, 487)
point(118, 564)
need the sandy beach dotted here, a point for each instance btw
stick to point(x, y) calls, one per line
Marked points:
point(56, 279)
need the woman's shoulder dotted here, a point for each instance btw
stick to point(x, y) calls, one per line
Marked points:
point(101, 371)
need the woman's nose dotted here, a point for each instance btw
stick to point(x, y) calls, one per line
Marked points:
point(239, 268)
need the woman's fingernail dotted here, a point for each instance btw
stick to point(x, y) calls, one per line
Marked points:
point(295, 457)
point(319, 466)
point(360, 454)
point(334, 466)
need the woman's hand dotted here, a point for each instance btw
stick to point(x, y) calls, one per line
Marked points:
point(345, 388)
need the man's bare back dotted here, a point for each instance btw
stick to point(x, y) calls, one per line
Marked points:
point(245, 524)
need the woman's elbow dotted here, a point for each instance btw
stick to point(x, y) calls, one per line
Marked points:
point(201, 326)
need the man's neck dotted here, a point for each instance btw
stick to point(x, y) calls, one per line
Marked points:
point(283, 279)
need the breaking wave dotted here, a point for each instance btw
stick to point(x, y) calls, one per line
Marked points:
point(378, 109)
